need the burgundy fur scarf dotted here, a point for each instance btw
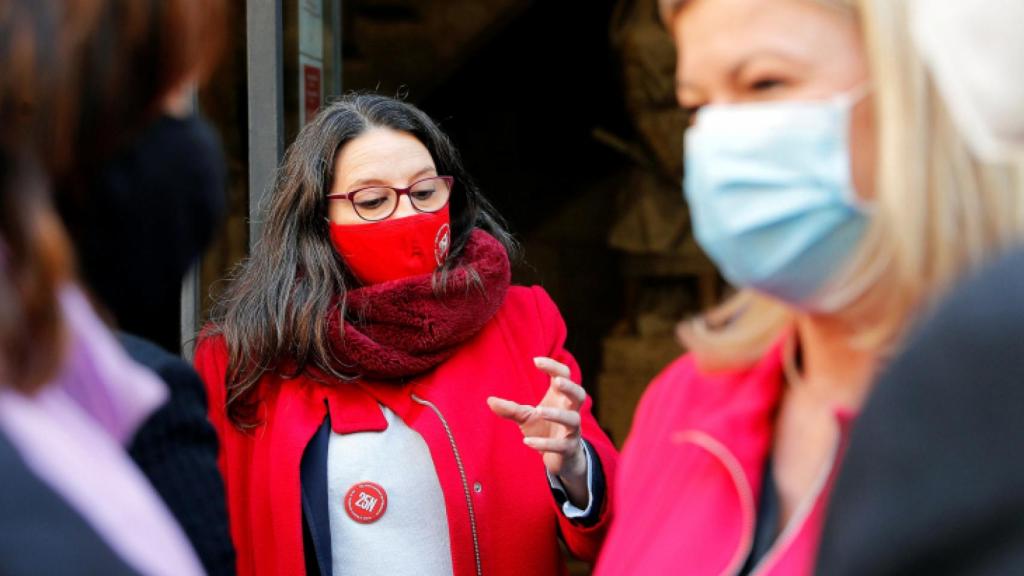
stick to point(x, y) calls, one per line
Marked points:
point(402, 328)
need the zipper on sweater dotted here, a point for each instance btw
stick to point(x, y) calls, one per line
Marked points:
point(796, 522)
point(462, 475)
point(739, 478)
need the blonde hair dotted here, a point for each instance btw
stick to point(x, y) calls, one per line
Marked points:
point(940, 212)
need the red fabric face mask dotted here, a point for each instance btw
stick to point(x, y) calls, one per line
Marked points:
point(378, 252)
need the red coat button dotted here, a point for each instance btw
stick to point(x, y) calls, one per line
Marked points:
point(366, 502)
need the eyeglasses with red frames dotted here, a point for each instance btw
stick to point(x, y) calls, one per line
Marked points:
point(376, 203)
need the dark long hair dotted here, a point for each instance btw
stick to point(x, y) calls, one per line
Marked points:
point(275, 313)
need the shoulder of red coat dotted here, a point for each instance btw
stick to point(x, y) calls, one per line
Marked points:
point(210, 344)
point(533, 299)
point(210, 361)
point(531, 305)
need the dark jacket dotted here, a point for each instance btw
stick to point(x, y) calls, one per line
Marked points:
point(144, 221)
point(177, 450)
point(40, 533)
point(933, 482)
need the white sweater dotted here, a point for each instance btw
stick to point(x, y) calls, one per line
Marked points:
point(412, 535)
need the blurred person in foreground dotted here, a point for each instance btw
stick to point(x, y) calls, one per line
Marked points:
point(933, 482)
point(827, 180)
point(139, 181)
point(139, 184)
point(70, 399)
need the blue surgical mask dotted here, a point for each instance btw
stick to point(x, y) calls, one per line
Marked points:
point(772, 197)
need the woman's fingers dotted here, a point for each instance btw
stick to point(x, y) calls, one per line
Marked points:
point(521, 413)
point(573, 391)
point(564, 446)
point(561, 382)
point(552, 367)
point(511, 410)
point(569, 418)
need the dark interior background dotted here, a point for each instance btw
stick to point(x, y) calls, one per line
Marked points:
point(522, 109)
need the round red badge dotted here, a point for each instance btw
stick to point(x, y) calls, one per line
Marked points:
point(366, 502)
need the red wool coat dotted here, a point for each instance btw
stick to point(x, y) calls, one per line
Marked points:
point(502, 517)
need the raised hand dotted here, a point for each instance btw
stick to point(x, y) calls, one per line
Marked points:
point(552, 427)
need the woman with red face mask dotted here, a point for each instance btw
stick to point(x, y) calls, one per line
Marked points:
point(369, 366)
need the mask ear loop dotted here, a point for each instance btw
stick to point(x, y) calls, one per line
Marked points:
point(847, 102)
point(829, 298)
point(855, 95)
